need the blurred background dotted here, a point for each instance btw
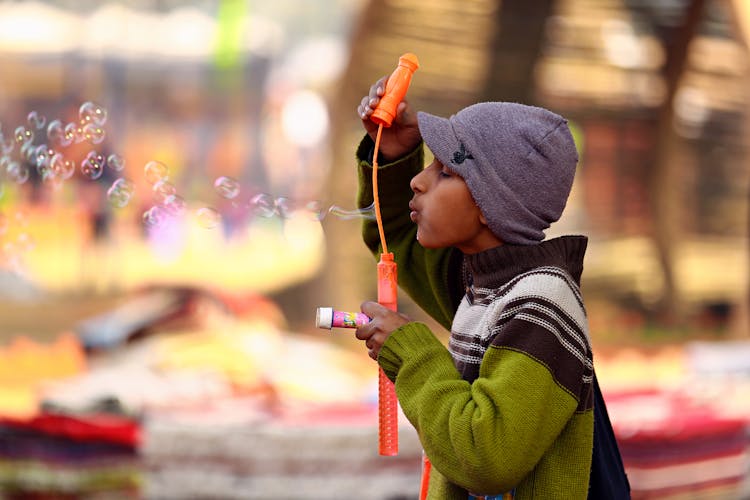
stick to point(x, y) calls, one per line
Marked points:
point(177, 194)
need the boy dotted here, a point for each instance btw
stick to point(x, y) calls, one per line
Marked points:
point(509, 408)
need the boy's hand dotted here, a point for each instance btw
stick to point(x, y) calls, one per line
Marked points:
point(383, 323)
point(402, 136)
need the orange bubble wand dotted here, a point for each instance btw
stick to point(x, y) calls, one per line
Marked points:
point(384, 114)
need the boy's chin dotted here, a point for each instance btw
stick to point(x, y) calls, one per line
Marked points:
point(426, 242)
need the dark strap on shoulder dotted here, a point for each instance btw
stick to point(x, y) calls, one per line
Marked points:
point(608, 479)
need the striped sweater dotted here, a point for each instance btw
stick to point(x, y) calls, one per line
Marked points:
point(508, 405)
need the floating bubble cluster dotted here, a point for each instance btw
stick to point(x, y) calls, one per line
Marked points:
point(42, 148)
point(169, 204)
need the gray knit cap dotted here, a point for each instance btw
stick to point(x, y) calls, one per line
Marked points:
point(518, 162)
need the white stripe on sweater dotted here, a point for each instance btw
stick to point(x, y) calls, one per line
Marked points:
point(548, 284)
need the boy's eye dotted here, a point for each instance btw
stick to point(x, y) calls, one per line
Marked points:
point(446, 173)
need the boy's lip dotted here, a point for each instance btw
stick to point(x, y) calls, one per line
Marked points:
point(414, 212)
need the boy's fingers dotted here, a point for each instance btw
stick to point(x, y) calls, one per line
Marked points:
point(369, 102)
point(371, 308)
point(378, 89)
point(364, 109)
point(361, 333)
point(380, 86)
point(402, 115)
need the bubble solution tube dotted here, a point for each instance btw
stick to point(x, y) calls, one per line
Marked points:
point(328, 317)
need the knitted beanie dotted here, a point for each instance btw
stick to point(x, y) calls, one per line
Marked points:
point(518, 162)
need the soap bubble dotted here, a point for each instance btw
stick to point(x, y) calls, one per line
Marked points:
point(36, 120)
point(91, 170)
point(45, 172)
point(155, 171)
point(56, 133)
point(163, 189)
point(96, 157)
point(283, 206)
point(6, 144)
point(262, 204)
point(208, 217)
point(120, 192)
point(23, 135)
point(79, 135)
point(17, 172)
point(116, 162)
point(154, 216)
point(227, 187)
point(94, 133)
point(28, 152)
point(69, 134)
point(175, 205)
point(90, 112)
point(41, 155)
point(92, 167)
point(56, 164)
point(63, 168)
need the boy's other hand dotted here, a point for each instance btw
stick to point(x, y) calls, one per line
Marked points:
point(402, 136)
point(383, 323)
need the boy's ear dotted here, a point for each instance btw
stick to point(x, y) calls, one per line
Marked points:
point(482, 218)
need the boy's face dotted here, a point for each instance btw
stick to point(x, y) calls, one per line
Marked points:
point(446, 214)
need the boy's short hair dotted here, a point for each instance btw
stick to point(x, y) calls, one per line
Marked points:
point(518, 162)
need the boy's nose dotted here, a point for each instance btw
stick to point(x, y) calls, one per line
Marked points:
point(416, 184)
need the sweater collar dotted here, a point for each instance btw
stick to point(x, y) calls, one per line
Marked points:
point(496, 266)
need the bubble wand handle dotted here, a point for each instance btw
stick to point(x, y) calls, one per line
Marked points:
point(387, 400)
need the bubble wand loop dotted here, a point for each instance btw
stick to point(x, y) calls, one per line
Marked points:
point(395, 91)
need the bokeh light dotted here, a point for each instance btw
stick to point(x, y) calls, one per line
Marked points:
point(304, 118)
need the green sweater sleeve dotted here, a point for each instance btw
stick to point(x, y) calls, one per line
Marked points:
point(431, 277)
point(486, 436)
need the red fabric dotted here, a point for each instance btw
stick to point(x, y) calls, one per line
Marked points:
point(102, 427)
point(686, 419)
point(675, 445)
